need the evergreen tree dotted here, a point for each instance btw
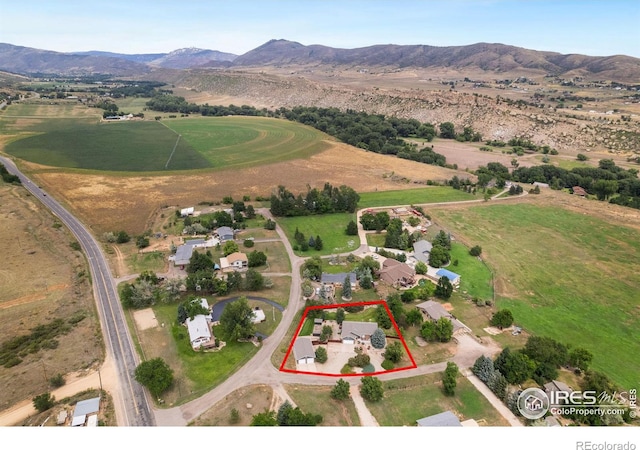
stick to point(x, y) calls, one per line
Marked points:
point(346, 287)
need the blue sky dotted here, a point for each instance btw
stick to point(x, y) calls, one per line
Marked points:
point(598, 28)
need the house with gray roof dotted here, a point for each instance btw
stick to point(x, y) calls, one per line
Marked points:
point(444, 419)
point(434, 311)
point(351, 331)
point(182, 256)
point(199, 331)
point(225, 234)
point(337, 279)
point(422, 250)
point(303, 351)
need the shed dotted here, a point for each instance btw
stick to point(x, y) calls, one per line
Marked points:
point(258, 315)
point(184, 212)
point(577, 190)
point(444, 419)
point(454, 278)
point(83, 409)
point(303, 351)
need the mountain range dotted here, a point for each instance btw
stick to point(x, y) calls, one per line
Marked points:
point(491, 58)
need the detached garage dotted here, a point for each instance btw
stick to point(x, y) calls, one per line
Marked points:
point(303, 351)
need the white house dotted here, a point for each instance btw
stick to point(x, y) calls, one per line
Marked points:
point(234, 261)
point(199, 331)
point(303, 351)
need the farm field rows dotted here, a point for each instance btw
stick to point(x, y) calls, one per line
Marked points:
point(71, 140)
point(564, 275)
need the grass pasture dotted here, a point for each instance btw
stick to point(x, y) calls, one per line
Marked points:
point(570, 276)
point(431, 194)
point(409, 399)
point(330, 228)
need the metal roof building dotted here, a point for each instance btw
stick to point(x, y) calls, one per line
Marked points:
point(83, 409)
point(444, 419)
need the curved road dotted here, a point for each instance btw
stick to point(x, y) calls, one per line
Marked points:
point(133, 404)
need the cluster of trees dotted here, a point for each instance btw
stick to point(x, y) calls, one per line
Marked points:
point(206, 223)
point(440, 252)
point(606, 182)
point(236, 321)
point(202, 278)
point(7, 177)
point(287, 416)
point(190, 308)
point(166, 102)
point(328, 200)
point(148, 290)
point(448, 131)
point(439, 331)
point(304, 244)
point(444, 288)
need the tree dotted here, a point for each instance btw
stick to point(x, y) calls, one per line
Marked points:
point(421, 268)
point(502, 319)
point(449, 376)
point(447, 130)
point(199, 262)
point(580, 358)
point(253, 280)
point(444, 288)
point(605, 188)
point(142, 241)
point(341, 390)
point(428, 331)
point(122, 237)
point(371, 389)
point(250, 212)
point(264, 419)
point(270, 225)
point(439, 256)
point(256, 258)
point(155, 374)
point(326, 333)
point(236, 320)
point(318, 243)
point(366, 281)
point(44, 402)
point(321, 355)
point(312, 268)
point(290, 416)
point(340, 316)
point(414, 317)
point(394, 352)
point(443, 329)
point(229, 247)
point(483, 368)
point(378, 339)
point(443, 240)
point(515, 366)
point(346, 287)
point(476, 250)
point(382, 317)
point(546, 350)
point(352, 229)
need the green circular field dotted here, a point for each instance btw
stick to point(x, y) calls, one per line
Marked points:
point(173, 144)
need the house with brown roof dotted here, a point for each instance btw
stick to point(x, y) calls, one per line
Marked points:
point(577, 190)
point(397, 274)
point(235, 261)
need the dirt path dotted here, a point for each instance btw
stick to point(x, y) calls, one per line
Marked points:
point(495, 401)
point(120, 266)
point(366, 418)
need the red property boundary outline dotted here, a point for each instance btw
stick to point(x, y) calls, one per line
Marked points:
point(341, 375)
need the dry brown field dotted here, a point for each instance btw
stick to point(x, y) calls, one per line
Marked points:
point(248, 401)
point(44, 279)
point(110, 203)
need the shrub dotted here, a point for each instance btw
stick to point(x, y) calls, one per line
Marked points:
point(248, 243)
point(346, 369)
point(378, 339)
point(387, 365)
point(475, 250)
point(57, 380)
point(44, 402)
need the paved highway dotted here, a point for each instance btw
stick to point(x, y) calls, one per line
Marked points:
point(134, 406)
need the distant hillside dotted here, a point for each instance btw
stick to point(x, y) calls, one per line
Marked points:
point(494, 58)
point(487, 57)
point(185, 58)
point(25, 60)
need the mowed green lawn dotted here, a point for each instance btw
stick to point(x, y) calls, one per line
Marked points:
point(568, 276)
point(330, 228)
point(248, 141)
point(431, 194)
